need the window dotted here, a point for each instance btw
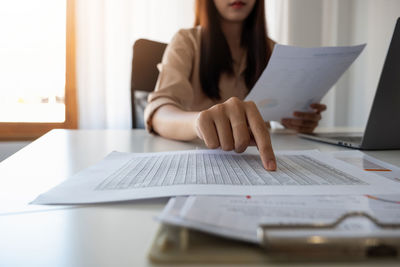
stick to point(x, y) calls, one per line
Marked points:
point(37, 67)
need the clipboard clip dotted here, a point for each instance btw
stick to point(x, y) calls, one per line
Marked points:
point(321, 247)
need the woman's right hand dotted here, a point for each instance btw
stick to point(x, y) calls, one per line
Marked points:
point(233, 125)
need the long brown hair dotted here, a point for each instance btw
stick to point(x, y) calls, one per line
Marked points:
point(216, 57)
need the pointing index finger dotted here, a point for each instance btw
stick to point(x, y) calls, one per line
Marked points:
point(261, 136)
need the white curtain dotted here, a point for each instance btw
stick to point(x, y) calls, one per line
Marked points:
point(340, 22)
point(107, 29)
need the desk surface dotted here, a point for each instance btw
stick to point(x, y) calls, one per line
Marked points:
point(96, 235)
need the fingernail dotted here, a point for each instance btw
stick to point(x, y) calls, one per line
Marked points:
point(271, 165)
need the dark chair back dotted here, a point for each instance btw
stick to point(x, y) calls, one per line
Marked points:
point(146, 55)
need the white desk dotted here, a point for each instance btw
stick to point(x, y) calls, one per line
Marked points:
point(97, 235)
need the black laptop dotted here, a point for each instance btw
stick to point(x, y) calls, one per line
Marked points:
point(383, 126)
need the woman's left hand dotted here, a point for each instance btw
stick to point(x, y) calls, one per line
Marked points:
point(305, 122)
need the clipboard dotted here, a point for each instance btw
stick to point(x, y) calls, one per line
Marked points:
point(174, 244)
point(318, 247)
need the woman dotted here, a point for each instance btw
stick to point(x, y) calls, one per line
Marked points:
point(206, 73)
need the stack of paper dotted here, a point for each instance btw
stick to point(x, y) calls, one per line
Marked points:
point(129, 176)
point(239, 216)
point(232, 194)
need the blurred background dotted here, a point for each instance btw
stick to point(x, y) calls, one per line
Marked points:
point(107, 30)
point(67, 63)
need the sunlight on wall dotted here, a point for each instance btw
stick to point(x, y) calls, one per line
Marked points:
point(32, 65)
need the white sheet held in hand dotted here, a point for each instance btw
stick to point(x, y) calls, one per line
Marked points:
point(297, 77)
point(129, 176)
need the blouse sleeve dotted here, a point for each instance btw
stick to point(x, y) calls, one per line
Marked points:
point(173, 85)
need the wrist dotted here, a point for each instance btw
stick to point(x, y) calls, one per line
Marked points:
point(193, 124)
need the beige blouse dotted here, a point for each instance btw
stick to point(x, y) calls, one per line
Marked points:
point(179, 79)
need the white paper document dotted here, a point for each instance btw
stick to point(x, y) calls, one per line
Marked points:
point(239, 217)
point(297, 77)
point(367, 163)
point(129, 176)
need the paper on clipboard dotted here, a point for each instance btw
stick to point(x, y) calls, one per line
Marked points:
point(297, 77)
point(238, 217)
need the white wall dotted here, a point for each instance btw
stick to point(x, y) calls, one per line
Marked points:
point(373, 22)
